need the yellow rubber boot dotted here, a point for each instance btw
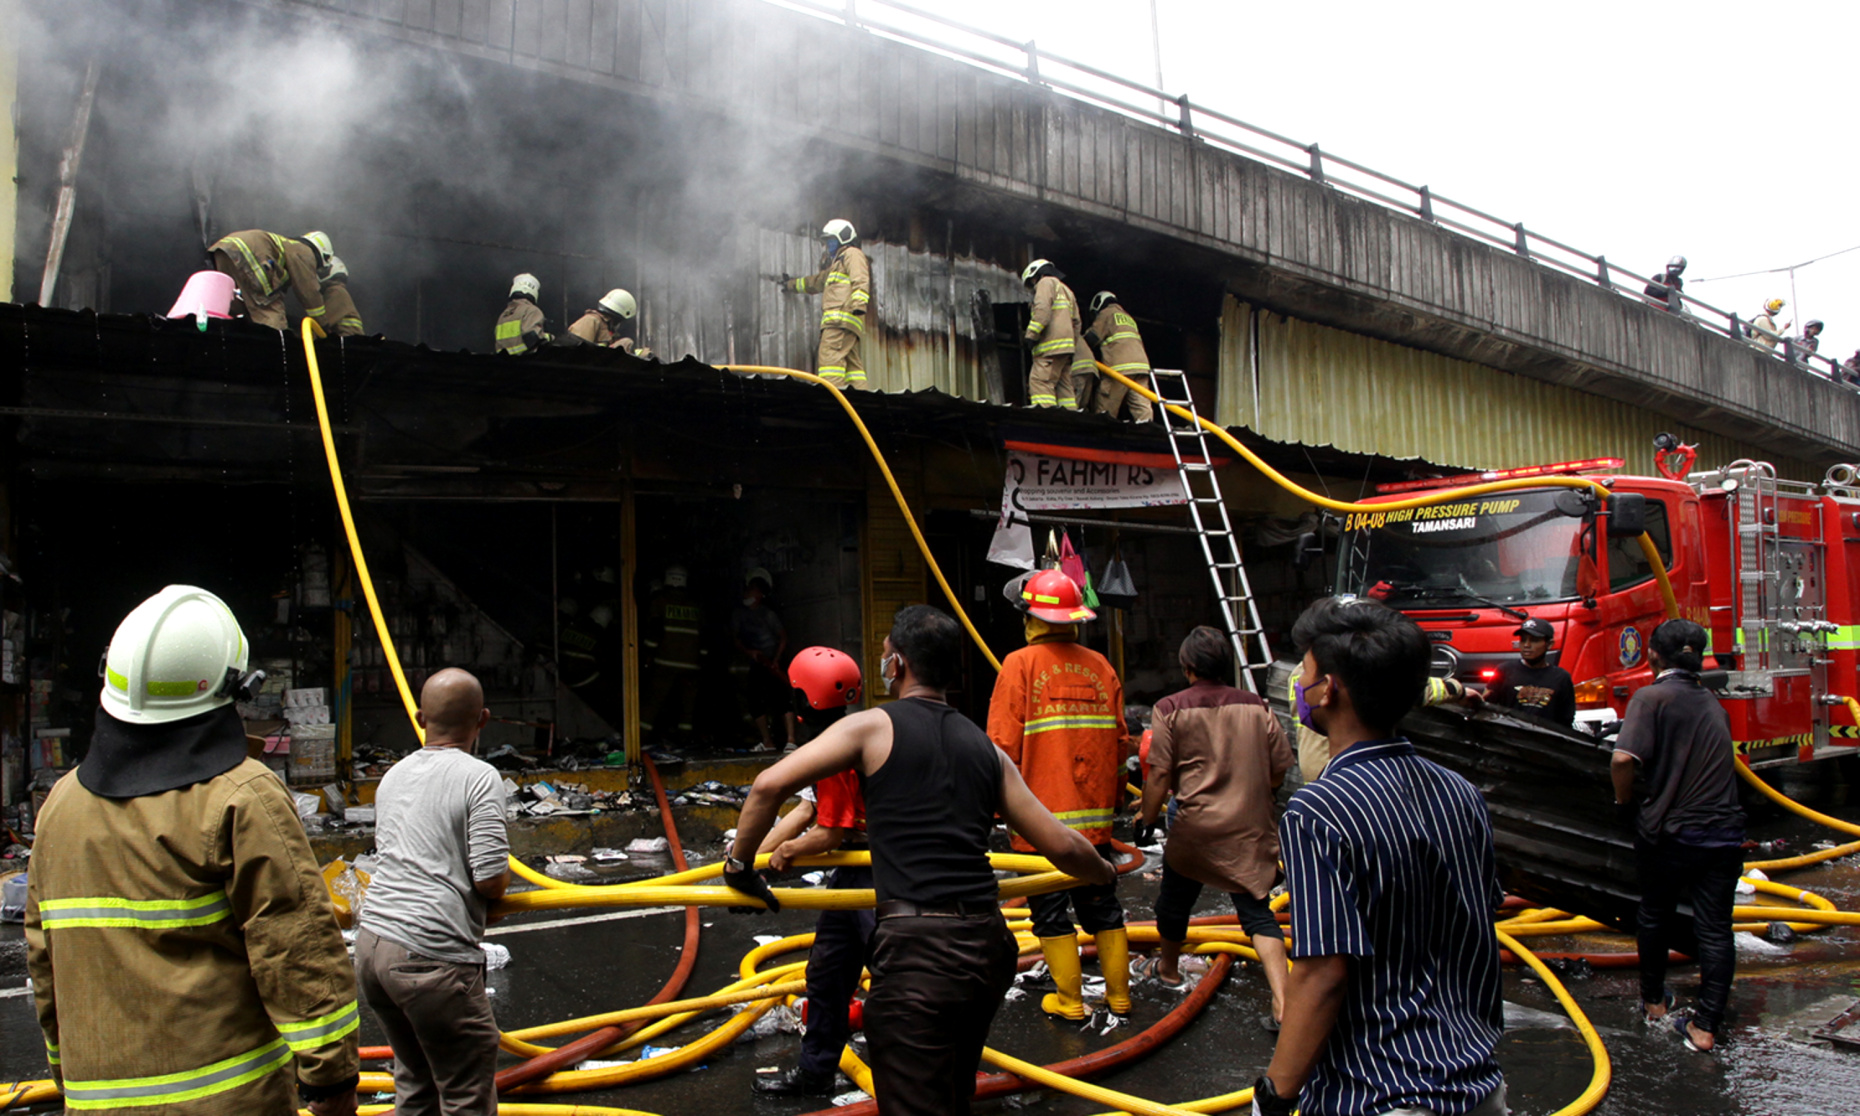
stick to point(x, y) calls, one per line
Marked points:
point(1114, 963)
point(1062, 961)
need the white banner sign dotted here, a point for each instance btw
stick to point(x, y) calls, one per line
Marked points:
point(1038, 484)
point(1046, 484)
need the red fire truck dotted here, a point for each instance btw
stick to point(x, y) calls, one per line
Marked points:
point(1770, 567)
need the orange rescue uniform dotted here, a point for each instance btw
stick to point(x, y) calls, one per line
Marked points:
point(1058, 713)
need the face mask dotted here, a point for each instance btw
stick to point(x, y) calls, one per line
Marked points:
point(884, 671)
point(1304, 707)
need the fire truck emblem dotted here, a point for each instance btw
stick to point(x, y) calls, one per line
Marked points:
point(1630, 646)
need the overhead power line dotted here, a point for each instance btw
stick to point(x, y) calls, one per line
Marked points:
point(1779, 270)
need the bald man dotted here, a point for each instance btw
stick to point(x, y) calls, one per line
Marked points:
point(444, 854)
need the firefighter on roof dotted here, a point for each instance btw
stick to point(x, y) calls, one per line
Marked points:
point(1058, 713)
point(340, 317)
point(264, 264)
point(1052, 334)
point(844, 282)
point(183, 951)
point(520, 326)
point(1114, 332)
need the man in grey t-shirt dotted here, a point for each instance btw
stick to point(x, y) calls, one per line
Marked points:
point(443, 851)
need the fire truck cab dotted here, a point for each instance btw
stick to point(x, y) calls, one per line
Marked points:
point(1771, 568)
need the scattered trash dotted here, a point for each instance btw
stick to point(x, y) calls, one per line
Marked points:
point(1751, 943)
point(778, 1020)
point(595, 1063)
point(815, 879)
point(1112, 1021)
point(567, 858)
point(1781, 933)
point(608, 854)
point(854, 1097)
point(308, 805)
point(495, 956)
point(569, 871)
point(1034, 973)
point(359, 815)
point(729, 837)
point(647, 845)
point(765, 939)
point(1016, 993)
point(13, 898)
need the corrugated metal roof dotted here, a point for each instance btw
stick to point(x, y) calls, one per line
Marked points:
point(1294, 381)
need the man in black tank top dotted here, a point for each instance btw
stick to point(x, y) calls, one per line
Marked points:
point(942, 956)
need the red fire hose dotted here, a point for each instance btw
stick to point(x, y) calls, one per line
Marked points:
point(545, 1064)
point(1099, 1061)
point(562, 1057)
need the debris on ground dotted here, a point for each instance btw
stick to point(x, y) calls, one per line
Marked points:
point(495, 956)
point(647, 845)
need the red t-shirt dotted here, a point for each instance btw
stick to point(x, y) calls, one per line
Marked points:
point(838, 803)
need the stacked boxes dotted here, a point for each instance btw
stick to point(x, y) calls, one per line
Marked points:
point(313, 736)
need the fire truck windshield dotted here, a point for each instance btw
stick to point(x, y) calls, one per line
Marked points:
point(1509, 548)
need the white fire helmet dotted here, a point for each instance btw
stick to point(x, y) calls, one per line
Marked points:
point(1032, 270)
point(526, 285)
point(840, 231)
point(325, 251)
point(619, 303)
point(176, 655)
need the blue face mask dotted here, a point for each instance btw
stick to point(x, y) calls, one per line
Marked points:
point(1303, 706)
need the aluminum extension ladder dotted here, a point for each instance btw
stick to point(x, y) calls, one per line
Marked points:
point(1188, 442)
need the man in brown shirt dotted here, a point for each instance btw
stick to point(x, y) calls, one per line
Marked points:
point(1223, 753)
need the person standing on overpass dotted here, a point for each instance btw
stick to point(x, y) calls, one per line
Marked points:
point(942, 955)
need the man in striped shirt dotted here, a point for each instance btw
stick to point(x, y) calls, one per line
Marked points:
point(1393, 1004)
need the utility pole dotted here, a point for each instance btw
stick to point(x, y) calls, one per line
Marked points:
point(1156, 49)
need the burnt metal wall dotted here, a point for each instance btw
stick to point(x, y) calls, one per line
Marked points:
point(1275, 239)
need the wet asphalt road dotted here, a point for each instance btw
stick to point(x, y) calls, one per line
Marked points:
point(595, 962)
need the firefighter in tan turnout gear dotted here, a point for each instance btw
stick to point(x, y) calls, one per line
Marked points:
point(844, 283)
point(520, 326)
point(602, 324)
point(264, 264)
point(1052, 334)
point(340, 317)
point(1114, 333)
point(183, 952)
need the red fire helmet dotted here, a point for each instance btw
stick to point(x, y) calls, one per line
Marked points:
point(1055, 598)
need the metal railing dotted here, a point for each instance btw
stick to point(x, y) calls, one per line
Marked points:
point(1198, 122)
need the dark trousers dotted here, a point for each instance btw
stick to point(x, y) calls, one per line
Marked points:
point(438, 1018)
point(1706, 878)
point(1096, 905)
point(841, 941)
point(936, 985)
point(1175, 901)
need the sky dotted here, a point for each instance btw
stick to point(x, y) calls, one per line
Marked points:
point(1631, 129)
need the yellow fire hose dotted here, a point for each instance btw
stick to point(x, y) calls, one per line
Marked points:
point(761, 990)
point(1646, 542)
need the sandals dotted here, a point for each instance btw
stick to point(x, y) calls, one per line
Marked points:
point(1660, 1020)
point(1149, 967)
point(1682, 1023)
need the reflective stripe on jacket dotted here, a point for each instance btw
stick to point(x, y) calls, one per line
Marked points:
point(1058, 713)
point(339, 313)
point(520, 318)
point(273, 262)
point(183, 950)
point(1053, 326)
point(1122, 344)
point(845, 288)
